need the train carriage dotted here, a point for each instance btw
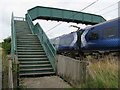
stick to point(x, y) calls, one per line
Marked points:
point(100, 37)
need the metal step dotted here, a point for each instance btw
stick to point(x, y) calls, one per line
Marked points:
point(40, 65)
point(21, 31)
point(31, 56)
point(28, 36)
point(22, 53)
point(30, 50)
point(30, 39)
point(31, 53)
point(22, 28)
point(31, 62)
point(33, 48)
point(34, 65)
point(26, 31)
point(37, 69)
point(37, 74)
point(33, 59)
point(29, 45)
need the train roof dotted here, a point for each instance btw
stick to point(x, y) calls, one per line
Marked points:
point(65, 34)
point(103, 23)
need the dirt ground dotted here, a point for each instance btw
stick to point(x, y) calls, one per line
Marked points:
point(44, 82)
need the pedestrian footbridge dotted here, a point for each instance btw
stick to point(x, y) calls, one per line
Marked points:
point(36, 55)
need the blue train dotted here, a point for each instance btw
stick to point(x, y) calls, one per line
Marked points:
point(100, 37)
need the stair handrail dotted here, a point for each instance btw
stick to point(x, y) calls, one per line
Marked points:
point(30, 23)
point(48, 47)
point(13, 39)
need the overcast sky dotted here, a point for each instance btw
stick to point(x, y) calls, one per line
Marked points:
point(20, 7)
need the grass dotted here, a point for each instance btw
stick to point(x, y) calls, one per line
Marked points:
point(0, 51)
point(0, 44)
point(102, 73)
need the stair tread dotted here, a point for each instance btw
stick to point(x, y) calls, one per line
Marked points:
point(33, 61)
point(35, 65)
point(32, 58)
point(35, 69)
point(39, 47)
point(29, 41)
point(36, 73)
point(27, 45)
point(35, 48)
point(29, 35)
point(25, 39)
point(30, 50)
point(31, 55)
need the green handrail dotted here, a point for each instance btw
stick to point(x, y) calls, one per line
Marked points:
point(48, 47)
point(30, 23)
point(13, 46)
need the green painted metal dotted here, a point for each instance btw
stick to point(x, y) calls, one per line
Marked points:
point(13, 39)
point(40, 12)
point(48, 47)
point(13, 34)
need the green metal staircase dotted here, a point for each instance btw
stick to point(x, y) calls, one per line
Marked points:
point(31, 55)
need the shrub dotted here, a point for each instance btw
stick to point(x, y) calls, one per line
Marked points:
point(6, 45)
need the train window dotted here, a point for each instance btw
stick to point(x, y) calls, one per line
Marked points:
point(66, 41)
point(62, 41)
point(94, 35)
point(109, 32)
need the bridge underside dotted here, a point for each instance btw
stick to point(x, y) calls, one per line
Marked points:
point(48, 13)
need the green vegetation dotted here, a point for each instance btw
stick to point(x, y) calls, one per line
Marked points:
point(5, 69)
point(0, 44)
point(0, 51)
point(6, 45)
point(102, 74)
point(6, 49)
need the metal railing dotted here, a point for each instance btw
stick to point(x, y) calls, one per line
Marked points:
point(30, 23)
point(13, 33)
point(48, 47)
point(13, 39)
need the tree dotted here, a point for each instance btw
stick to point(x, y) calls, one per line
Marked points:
point(6, 45)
